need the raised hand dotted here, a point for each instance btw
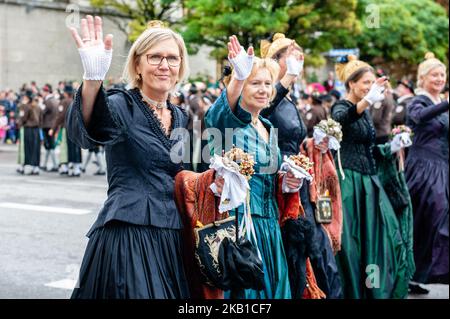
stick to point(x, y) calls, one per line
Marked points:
point(294, 60)
point(95, 53)
point(241, 61)
point(376, 93)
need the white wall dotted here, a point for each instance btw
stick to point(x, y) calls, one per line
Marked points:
point(36, 45)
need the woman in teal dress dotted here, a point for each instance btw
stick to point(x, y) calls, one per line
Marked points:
point(237, 118)
point(373, 258)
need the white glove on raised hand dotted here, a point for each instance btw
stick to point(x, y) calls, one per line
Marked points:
point(96, 54)
point(400, 141)
point(294, 66)
point(376, 94)
point(96, 61)
point(242, 64)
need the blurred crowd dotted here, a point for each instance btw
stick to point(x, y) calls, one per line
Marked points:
point(313, 100)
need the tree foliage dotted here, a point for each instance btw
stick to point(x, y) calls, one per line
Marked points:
point(314, 24)
point(211, 22)
point(139, 12)
point(407, 30)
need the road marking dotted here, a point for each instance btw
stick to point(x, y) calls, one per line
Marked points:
point(63, 284)
point(68, 182)
point(71, 183)
point(47, 209)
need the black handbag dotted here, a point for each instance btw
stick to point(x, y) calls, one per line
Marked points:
point(226, 261)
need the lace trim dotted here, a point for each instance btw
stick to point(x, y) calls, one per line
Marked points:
point(153, 120)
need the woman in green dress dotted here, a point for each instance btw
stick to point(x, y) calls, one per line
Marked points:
point(372, 261)
point(234, 119)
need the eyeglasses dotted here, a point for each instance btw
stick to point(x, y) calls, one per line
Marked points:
point(156, 59)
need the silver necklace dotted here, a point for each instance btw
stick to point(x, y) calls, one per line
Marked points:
point(158, 105)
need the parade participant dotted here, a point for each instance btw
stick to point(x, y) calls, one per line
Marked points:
point(98, 152)
point(70, 154)
point(427, 172)
point(292, 131)
point(48, 119)
point(329, 82)
point(405, 93)
point(327, 136)
point(30, 142)
point(248, 92)
point(314, 115)
point(381, 113)
point(371, 234)
point(135, 246)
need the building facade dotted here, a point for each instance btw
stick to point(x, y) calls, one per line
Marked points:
point(36, 45)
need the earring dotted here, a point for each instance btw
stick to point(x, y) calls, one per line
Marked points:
point(139, 77)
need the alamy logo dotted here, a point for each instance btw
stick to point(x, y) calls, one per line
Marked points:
point(373, 276)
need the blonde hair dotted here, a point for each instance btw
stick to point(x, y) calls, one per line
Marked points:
point(149, 38)
point(426, 66)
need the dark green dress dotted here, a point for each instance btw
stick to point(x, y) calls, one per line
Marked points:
point(373, 259)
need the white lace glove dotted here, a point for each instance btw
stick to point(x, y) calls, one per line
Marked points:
point(96, 61)
point(400, 141)
point(294, 66)
point(376, 94)
point(242, 65)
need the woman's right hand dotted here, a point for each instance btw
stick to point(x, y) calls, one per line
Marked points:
point(294, 61)
point(241, 61)
point(95, 53)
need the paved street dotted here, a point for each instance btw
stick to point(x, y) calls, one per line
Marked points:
point(43, 222)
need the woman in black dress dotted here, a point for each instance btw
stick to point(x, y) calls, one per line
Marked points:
point(135, 247)
point(427, 173)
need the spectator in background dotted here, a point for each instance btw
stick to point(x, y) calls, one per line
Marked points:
point(315, 114)
point(3, 124)
point(178, 99)
point(3, 101)
point(404, 93)
point(329, 82)
point(11, 133)
point(381, 112)
point(30, 115)
point(70, 154)
point(327, 103)
point(335, 95)
point(34, 89)
point(49, 114)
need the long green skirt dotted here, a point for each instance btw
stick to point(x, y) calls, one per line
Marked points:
point(373, 259)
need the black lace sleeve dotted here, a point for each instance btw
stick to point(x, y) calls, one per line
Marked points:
point(345, 112)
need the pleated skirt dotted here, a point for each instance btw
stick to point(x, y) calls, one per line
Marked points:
point(373, 258)
point(32, 146)
point(126, 261)
point(427, 180)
